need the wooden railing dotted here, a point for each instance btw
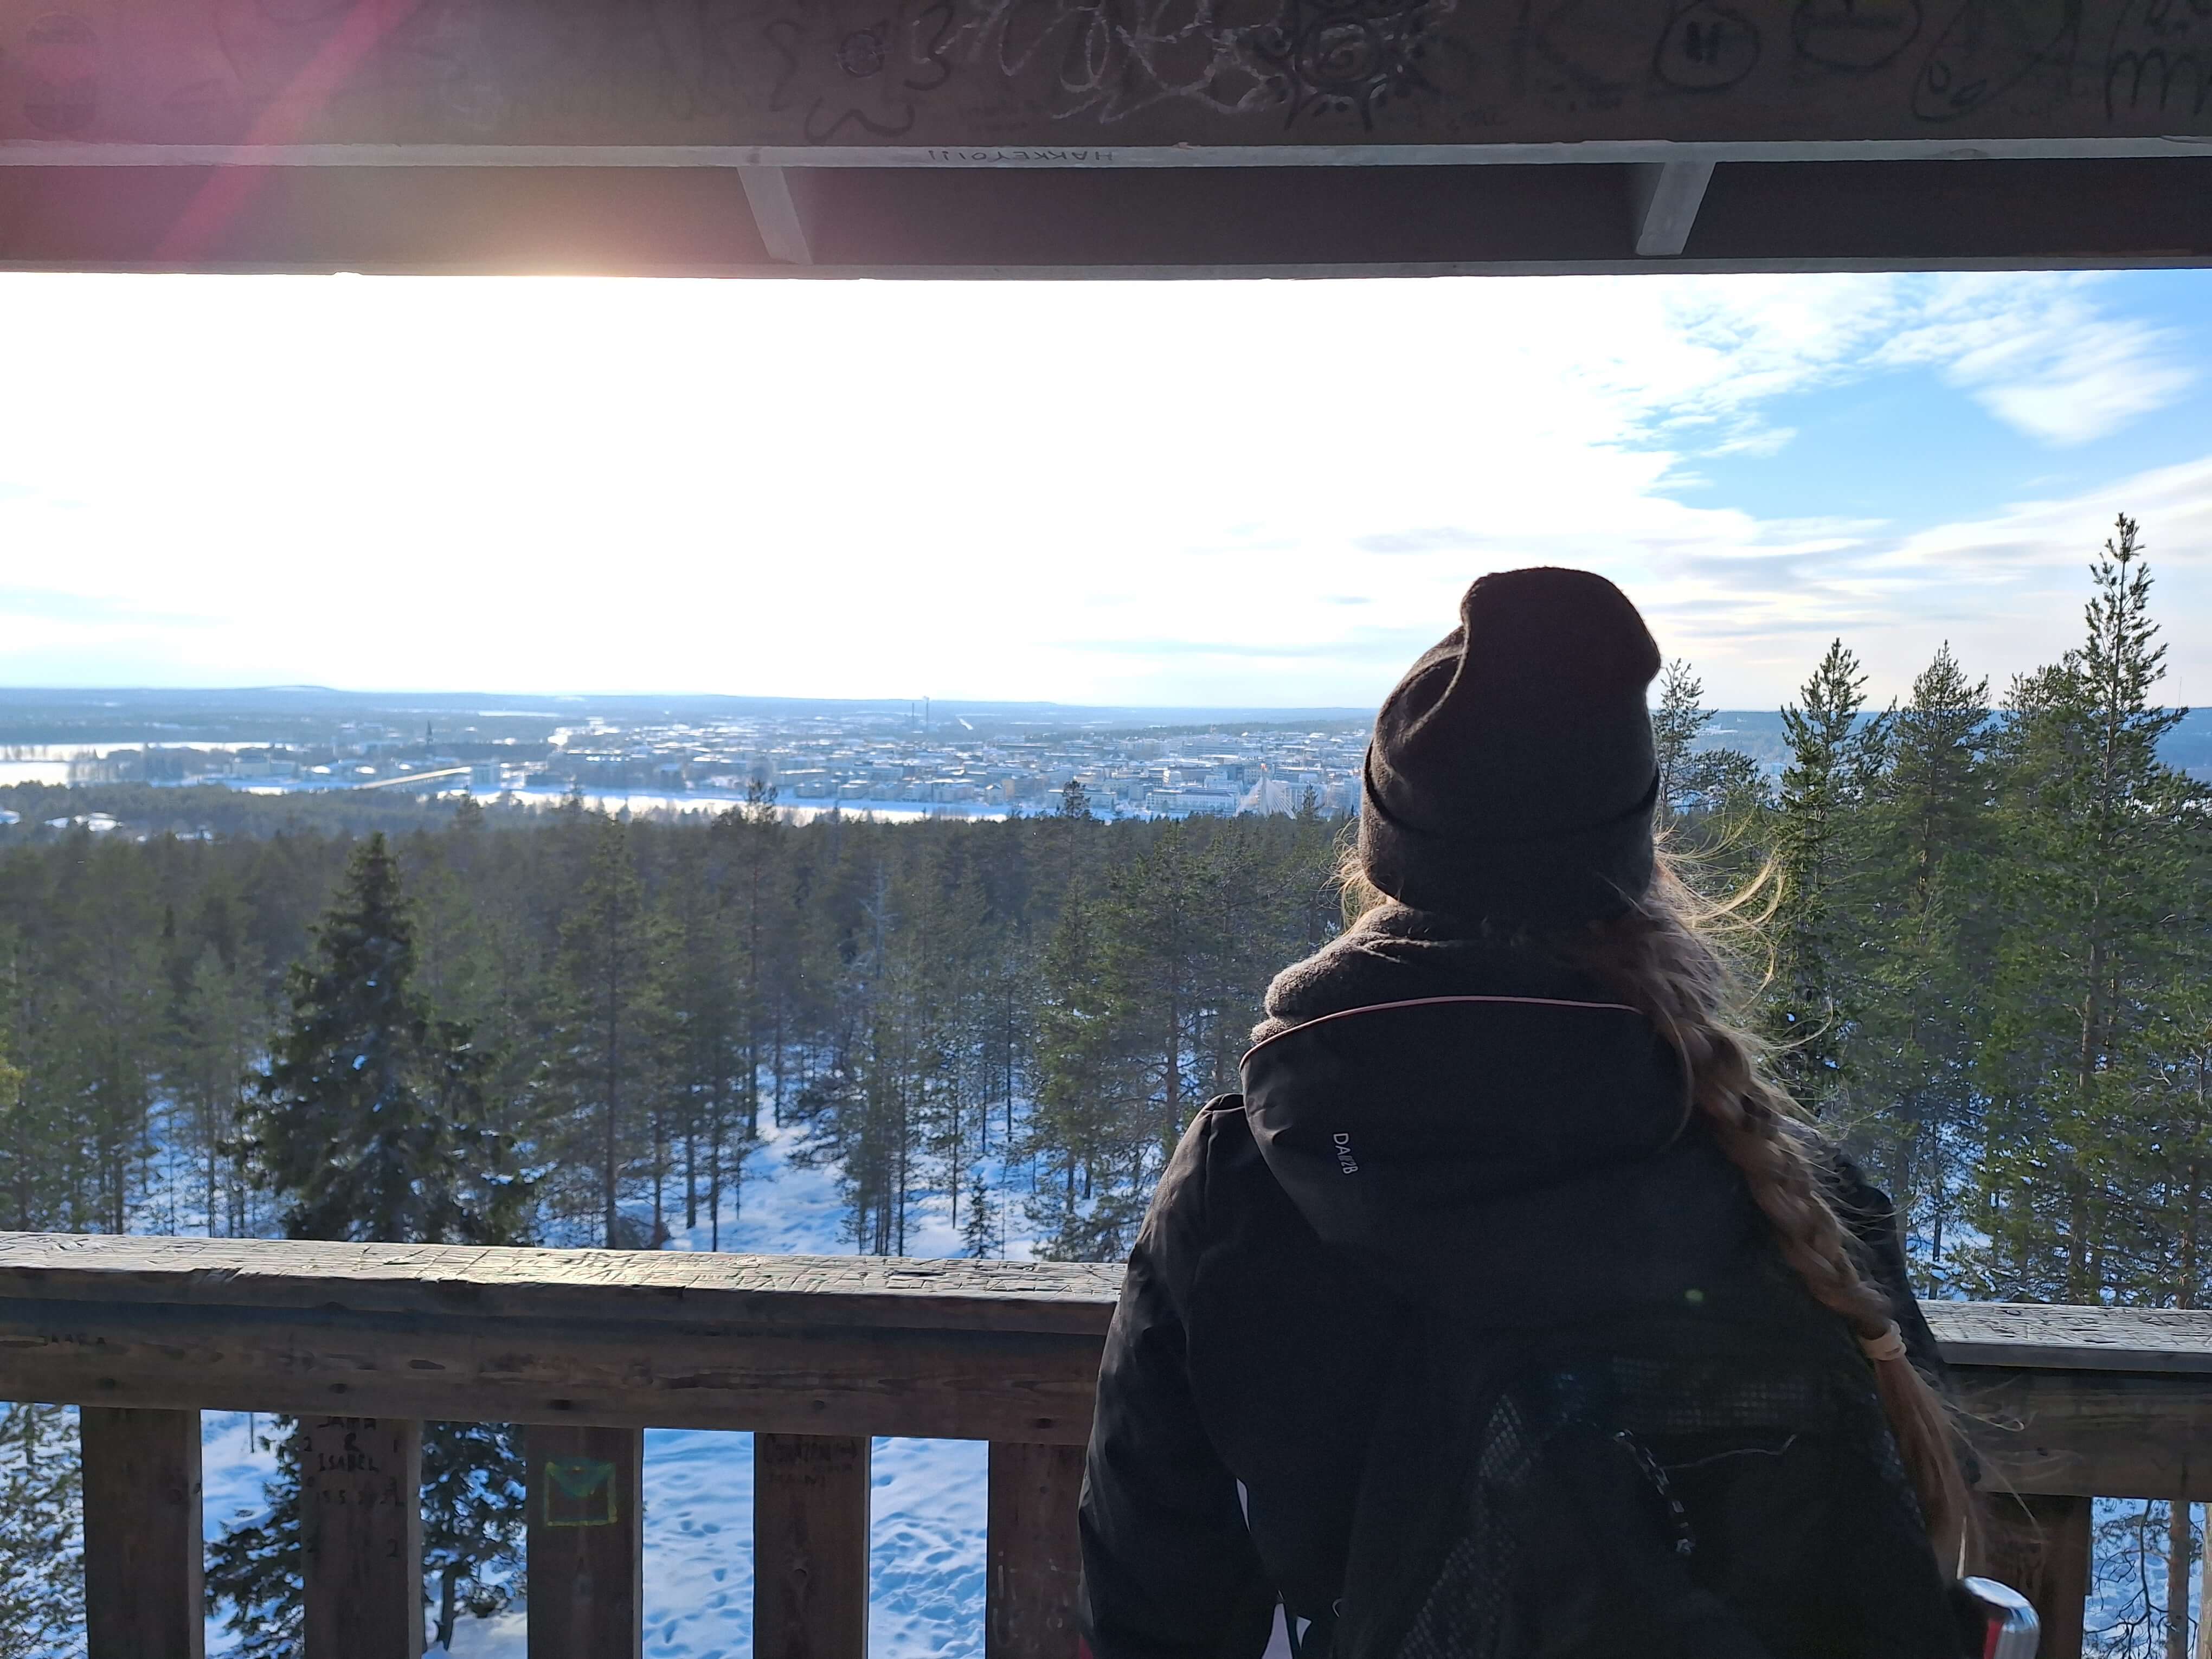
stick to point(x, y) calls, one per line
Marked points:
point(813, 1355)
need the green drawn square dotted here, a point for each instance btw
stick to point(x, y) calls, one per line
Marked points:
point(579, 1492)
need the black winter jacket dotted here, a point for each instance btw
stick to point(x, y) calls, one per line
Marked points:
point(1524, 1150)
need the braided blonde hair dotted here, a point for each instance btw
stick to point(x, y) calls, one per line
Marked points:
point(1663, 958)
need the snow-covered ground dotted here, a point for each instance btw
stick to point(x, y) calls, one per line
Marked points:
point(927, 1570)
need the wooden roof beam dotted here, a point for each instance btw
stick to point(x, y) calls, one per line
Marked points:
point(1663, 201)
point(774, 194)
point(930, 137)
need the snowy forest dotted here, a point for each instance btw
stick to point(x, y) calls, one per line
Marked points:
point(1975, 928)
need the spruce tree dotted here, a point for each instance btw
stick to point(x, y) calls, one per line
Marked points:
point(42, 1543)
point(979, 1235)
point(254, 1568)
point(369, 1122)
point(1923, 1010)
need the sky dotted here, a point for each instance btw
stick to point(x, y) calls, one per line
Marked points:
point(1249, 494)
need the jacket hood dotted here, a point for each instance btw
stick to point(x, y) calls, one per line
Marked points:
point(1396, 953)
point(1534, 1140)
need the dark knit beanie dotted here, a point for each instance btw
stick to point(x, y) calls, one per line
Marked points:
point(1512, 776)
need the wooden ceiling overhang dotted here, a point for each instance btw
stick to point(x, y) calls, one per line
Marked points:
point(1102, 137)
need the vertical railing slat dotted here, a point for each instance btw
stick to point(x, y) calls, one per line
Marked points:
point(1034, 1565)
point(361, 1537)
point(586, 1542)
point(2059, 1586)
point(2041, 1546)
point(810, 1545)
point(142, 1548)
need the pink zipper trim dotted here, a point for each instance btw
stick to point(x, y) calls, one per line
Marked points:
point(1431, 1002)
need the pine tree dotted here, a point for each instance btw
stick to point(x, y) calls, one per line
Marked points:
point(1149, 991)
point(946, 948)
point(2183, 1043)
point(2100, 876)
point(216, 1033)
point(759, 828)
point(698, 1003)
point(41, 1513)
point(600, 1077)
point(1707, 795)
point(1676, 725)
point(369, 1121)
point(35, 1126)
point(116, 1021)
point(1077, 1130)
point(1832, 762)
point(865, 1117)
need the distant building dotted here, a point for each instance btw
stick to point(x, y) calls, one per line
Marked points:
point(1186, 802)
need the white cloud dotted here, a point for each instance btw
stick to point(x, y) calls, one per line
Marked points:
point(2038, 354)
point(2007, 590)
point(2034, 350)
point(1153, 493)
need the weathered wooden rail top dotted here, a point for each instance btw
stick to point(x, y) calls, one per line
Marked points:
point(815, 1356)
point(820, 1344)
point(643, 1285)
point(682, 1290)
point(2034, 1336)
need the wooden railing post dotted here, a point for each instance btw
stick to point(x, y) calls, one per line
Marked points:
point(1033, 1563)
point(810, 1545)
point(142, 1533)
point(2041, 1546)
point(2060, 1584)
point(361, 1537)
point(586, 1542)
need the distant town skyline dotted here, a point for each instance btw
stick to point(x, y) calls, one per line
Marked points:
point(1189, 494)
